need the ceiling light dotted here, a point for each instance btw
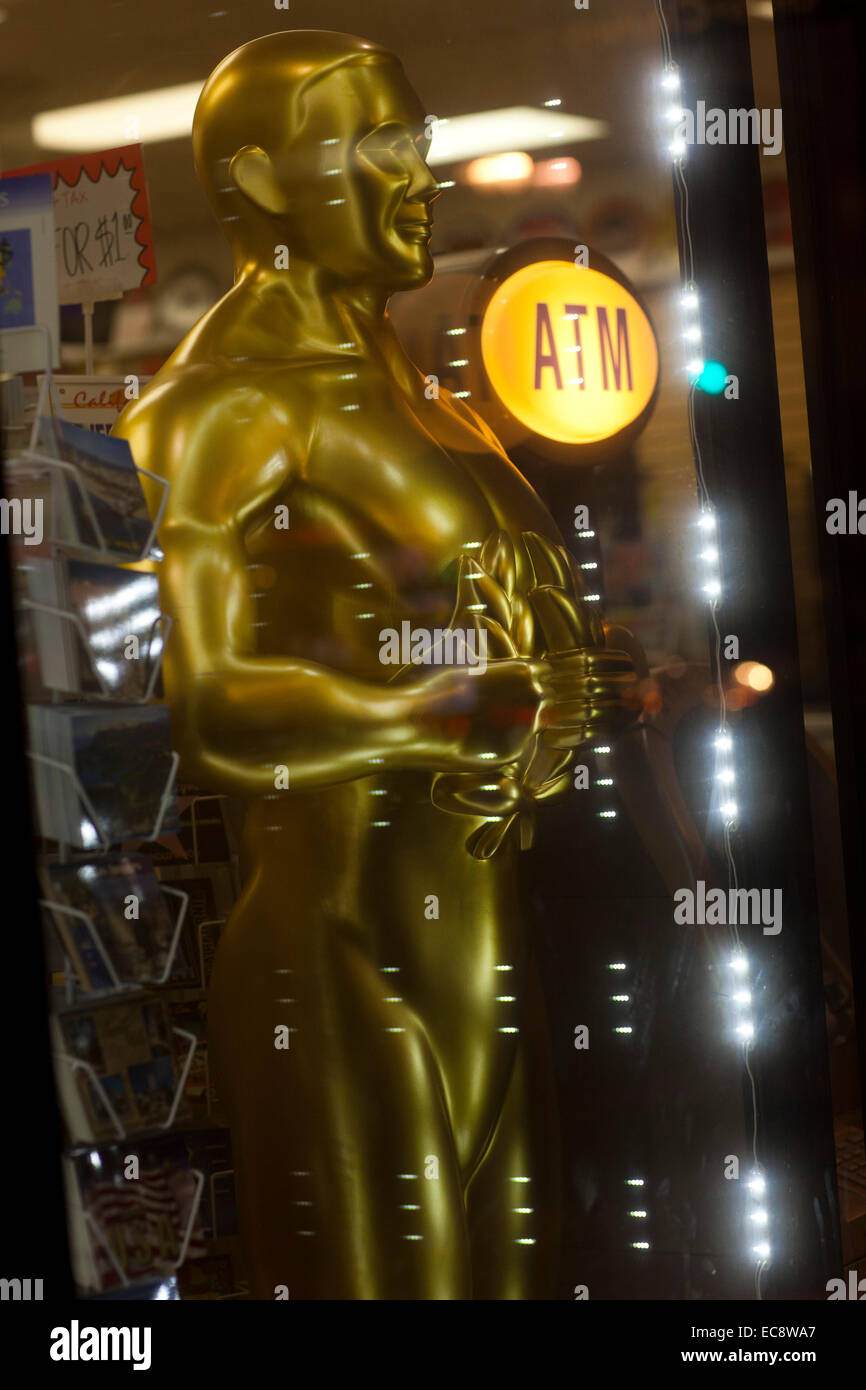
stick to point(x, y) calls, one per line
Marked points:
point(500, 131)
point(164, 114)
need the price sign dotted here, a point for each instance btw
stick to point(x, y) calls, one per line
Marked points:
point(104, 242)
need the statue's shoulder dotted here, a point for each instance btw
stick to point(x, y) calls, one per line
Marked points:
point(185, 392)
point(192, 410)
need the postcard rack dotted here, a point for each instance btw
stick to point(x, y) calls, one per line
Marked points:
point(123, 1064)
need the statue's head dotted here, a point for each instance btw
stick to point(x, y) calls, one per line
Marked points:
point(316, 141)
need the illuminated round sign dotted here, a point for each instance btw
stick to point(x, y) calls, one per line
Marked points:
point(569, 352)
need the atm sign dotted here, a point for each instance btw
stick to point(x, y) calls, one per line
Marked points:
point(569, 352)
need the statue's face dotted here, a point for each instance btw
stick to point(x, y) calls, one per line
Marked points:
point(359, 188)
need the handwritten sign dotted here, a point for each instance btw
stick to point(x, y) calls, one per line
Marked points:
point(93, 401)
point(104, 242)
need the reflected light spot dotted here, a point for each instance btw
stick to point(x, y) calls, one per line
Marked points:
point(754, 675)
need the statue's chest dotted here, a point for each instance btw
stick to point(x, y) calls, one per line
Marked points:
point(372, 535)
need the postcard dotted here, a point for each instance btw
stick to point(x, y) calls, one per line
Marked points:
point(28, 275)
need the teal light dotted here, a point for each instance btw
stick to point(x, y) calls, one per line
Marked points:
point(713, 377)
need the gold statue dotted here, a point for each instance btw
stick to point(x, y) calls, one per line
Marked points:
point(401, 1145)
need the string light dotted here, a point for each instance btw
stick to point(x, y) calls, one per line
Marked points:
point(711, 586)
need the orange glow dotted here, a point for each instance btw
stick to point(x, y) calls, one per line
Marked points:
point(511, 167)
point(569, 352)
point(754, 675)
point(556, 173)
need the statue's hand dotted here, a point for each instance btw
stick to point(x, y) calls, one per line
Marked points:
point(485, 718)
point(577, 690)
point(587, 694)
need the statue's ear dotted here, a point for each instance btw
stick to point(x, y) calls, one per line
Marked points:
point(254, 174)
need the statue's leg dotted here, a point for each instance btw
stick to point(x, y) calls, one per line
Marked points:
point(331, 1135)
point(513, 1200)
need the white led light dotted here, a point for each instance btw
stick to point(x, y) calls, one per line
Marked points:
point(689, 299)
point(729, 810)
point(677, 148)
point(724, 743)
point(623, 1029)
point(707, 521)
point(745, 1031)
point(763, 1250)
point(757, 1183)
point(671, 80)
point(617, 965)
point(710, 555)
point(675, 113)
point(607, 815)
point(742, 996)
point(692, 335)
point(726, 775)
point(760, 1218)
point(739, 963)
point(639, 1214)
point(634, 1182)
point(712, 588)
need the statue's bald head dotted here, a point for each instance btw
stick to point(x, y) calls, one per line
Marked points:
point(259, 96)
point(316, 141)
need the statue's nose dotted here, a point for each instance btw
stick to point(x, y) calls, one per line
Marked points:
point(422, 185)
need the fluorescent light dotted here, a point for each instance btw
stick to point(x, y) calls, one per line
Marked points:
point(164, 114)
point(510, 128)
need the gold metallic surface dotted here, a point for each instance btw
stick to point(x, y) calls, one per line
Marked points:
point(403, 1145)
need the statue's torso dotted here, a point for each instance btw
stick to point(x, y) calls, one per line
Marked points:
point(391, 489)
point(395, 488)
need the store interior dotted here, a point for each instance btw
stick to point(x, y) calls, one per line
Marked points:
point(671, 1094)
